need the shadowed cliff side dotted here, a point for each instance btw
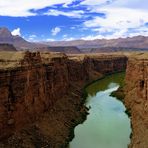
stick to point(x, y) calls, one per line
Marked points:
point(7, 47)
point(41, 95)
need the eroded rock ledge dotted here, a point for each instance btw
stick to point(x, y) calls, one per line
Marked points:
point(41, 95)
point(137, 99)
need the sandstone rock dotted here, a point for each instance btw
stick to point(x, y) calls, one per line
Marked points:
point(137, 99)
point(45, 89)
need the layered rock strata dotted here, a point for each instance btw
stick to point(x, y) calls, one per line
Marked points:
point(41, 95)
point(136, 99)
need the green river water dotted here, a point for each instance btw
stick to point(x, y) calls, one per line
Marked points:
point(107, 125)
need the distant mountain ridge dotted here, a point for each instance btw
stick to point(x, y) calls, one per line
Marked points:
point(17, 41)
point(20, 44)
point(136, 42)
point(76, 46)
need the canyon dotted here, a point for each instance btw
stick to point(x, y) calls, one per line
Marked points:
point(42, 99)
point(73, 74)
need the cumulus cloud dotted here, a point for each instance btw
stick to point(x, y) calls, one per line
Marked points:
point(55, 31)
point(123, 33)
point(122, 19)
point(131, 4)
point(65, 35)
point(94, 2)
point(21, 8)
point(50, 40)
point(119, 18)
point(32, 37)
point(69, 39)
point(72, 14)
point(16, 31)
point(115, 35)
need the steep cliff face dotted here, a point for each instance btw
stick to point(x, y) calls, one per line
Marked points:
point(29, 90)
point(137, 99)
point(40, 101)
point(102, 65)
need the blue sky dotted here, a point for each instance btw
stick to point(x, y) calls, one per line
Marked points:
point(49, 20)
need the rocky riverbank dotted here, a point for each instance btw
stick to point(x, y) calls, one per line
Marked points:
point(41, 95)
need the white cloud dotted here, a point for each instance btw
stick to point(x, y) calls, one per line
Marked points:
point(95, 37)
point(92, 37)
point(16, 31)
point(65, 35)
point(19, 8)
point(102, 30)
point(50, 40)
point(120, 17)
point(93, 2)
point(32, 37)
point(123, 33)
point(73, 27)
point(140, 31)
point(69, 39)
point(132, 4)
point(72, 14)
point(55, 31)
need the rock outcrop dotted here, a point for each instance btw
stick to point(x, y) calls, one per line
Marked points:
point(137, 99)
point(41, 95)
point(7, 47)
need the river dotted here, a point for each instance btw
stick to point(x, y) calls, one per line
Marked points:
point(107, 125)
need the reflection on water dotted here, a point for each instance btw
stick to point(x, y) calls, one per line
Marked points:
point(107, 126)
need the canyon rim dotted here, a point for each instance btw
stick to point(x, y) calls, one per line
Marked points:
point(74, 74)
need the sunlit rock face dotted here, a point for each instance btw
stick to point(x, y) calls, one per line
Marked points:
point(137, 99)
point(42, 91)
